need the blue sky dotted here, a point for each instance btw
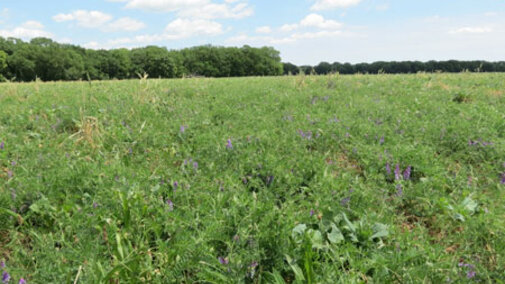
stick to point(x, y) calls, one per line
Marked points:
point(305, 31)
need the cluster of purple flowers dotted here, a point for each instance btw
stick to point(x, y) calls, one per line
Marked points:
point(189, 161)
point(170, 205)
point(6, 277)
point(307, 135)
point(335, 120)
point(252, 268)
point(223, 260)
point(479, 143)
point(398, 173)
point(470, 269)
point(228, 144)
point(345, 201)
point(399, 190)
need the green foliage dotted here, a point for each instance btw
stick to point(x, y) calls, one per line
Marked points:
point(403, 67)
point(3, 63)
point(50, 61)
point(249, 180)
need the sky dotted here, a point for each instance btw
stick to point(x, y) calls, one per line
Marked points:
point(304, 31)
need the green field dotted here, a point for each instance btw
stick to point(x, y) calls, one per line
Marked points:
point(304, 179)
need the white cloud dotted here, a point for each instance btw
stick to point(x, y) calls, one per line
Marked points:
point(33, 25)
point(471, 30)
point(27, 30)
point(318, 21)
point(181, 28)
point(321, 5)
point(312, 21)
point(198, 9)
point(86, 19)
point(125, 24)
point(288, 27)
point(177, 29)
point(295, 37)
point(217, 11)
point(264, 30)
point(163, 5)
point(100, 20)
point(311, 27)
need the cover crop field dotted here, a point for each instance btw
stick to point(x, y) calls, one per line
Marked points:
point(304, 179)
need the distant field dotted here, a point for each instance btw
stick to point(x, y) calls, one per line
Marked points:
point(316, 179)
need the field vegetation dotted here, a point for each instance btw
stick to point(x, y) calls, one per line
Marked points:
point(295, 179)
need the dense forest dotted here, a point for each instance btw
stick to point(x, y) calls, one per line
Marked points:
point(396, 67)
point(47, 60)
point(51, 61)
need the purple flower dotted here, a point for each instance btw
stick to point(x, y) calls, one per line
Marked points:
point(195, 165)
point(311, 212)
point(229, 145)
point(183, 128)
point(130, 151)
point(388, 168)
point(176, 184)
point(406, 173)
point(170, 205)
point(22, 281)
point(397, 172)
point(381, 141)
point(223, 261)
point(2, 264)
point(470, 274)
point(2, 145)
point(253, 265)
point(503, 178)
point(399, 190)
point(5, 277)
point(344, 202)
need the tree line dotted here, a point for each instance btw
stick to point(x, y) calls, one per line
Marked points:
point(396, 67)
point(47, 60)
